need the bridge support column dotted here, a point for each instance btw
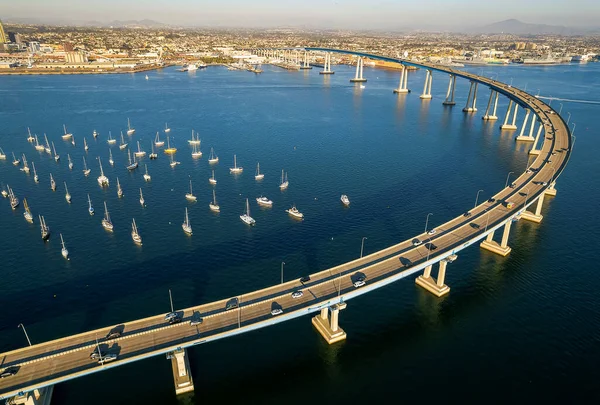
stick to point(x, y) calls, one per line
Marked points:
point(502, 249)
point(327, 65)
point(403, 87)
point(450, 93)
point(534, 150)
point(551, 191)
point(537, 216)
point(436, 287)
point(182, 374)
point(41, 396)
point(487, 115)
point(525, 121)
point(358, 78)
point(330, 329)
point(470, 106)
point(306, 64)
point(427, 86)
point(506, 125)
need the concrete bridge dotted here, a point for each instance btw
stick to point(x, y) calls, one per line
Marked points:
point(327, 292)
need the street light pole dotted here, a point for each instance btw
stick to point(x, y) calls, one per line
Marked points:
point(362, 245)
point(282, 263)
point(506, 184)
point(171, 300)
point(27, 336)
point(427, 222)
point(573, 131)
point(477, 198)
point(560, 110)
point(568, 118)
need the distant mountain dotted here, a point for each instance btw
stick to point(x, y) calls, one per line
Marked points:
point(517, 27)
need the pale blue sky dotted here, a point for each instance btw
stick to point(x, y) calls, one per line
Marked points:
point(385, 14)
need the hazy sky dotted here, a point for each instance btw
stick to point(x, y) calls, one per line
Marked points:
point(385, 14)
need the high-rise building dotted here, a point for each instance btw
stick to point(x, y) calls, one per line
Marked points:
point(15, 37)
point(3, 38)
point(34, 47)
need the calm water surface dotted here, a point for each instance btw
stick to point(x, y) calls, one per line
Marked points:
point(525, 326)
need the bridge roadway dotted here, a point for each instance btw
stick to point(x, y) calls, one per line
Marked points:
point(63, 359)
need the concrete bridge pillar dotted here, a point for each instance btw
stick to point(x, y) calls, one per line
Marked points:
point(487, 115)
point(526, 138)
point(450, 93)
point(534, 150)
point(330, 329)
point(327, 65)
point(502, 249)
point(537, 216)
point(470, 106)
point(358, 78)
point(427, 86)
point(40, 396)
point(182, 374)
point(403, 87)
point(506, 125)
point(306, 64)
point(436, 287)
point(551, 191)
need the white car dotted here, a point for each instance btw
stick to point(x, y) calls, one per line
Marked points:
point(359, 283)
point(170, 316)
point(107, 357)
point(432, 232)
point(195, 322)
point(297, 294)
point(276, 311)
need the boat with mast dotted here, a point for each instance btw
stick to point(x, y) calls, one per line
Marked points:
point(86, 171)
point(235, 169)
point(25, 167)
point(47, 146)
point(157, 142)
point(169, 149)
point(258, 175)
point(52, 183)
point(14, 201)
point(213, 204)
point(70, 162)
point(153, 155)
point(2, 155)
point(111, 140)
point(39, 147)
point(123, 144)
point(196, 152)
point(212, 180)
point(67, 135)
point(30, 138)
point(27, 213)
point(119, 189)
point(187, 228)
point(45, 229)
point(56, 155)
point(35, 176)
point(95, 134)
point(110, 158)
point(67, 195)
point(90, 208)
point(73, 140)
point(174, 162)
point(194, 140)
point(264, 201)
point(132, 165)
point(142, 201)
point(130, 129)
point(106, 223)
point(295, 213)
point(139, 152)
point(213, 158)
point(284, 181)
point(167, 129)
point(135, 235)
point(190, 196)
point(102, 179)
point(64, 251)
point(245, 217)
point(147, 177)
point(15, 162)
point(85, 145)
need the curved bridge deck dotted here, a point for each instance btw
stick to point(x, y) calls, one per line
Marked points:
point(67, 358)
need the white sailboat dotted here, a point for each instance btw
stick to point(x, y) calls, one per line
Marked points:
point(119, 189)
point(147, 177)
point(30, 138)
point(14, 201)
point(245, 217)
point(35, 176)
point(196, 153)
point(70, 162)
point(47, 146)
point(67, 135)
point(39, 147)
point(235, 169)
point(73, 140)
point(123, 144)
point(169, 149)
point(86, 171)
point(258, 175)
point(95, 134)
point(16, 162)
point(102, 179)
point(64, 251)
point(45, 229)
point(106, 223)
point(25, 167)
point(167, 129)
point(187, 227)
point(2, 155)
point(67, 195)
point(264, 201)
point(90, 208)
point(27, 213)
point(190, 196)
point(194, 140)
point(174, 162)
point(130, 129)
point(52, 183)
point(132, 165)
point(110, 139)
point(135, 234)
point(284, 181)
point(110, 158)
point(153, 155)
point(295, 213)
point(56, 155)
point(157, 142)
point(147, 77)
point(85, 145)
point(139, 152)
point(213, 204)
point(213, 158)
point(142, 201)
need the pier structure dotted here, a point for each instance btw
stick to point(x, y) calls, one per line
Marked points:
point(403, 86)
point(526, 138)
point(450, 92)
point(487, 116)
point(427, 86)
point(327, 65)
point(534, 150)
point(506, 126)
point(306, 64)
point(327, 323)
point(358, 78)
point(471, 101)
point(435, 286)
point(182, 375)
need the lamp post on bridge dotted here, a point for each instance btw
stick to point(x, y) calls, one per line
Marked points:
point(427, 222)
point(240, 312)
point(171, 300)
point(568, 118)
point(560, 109)
point(477, 198)
point(282, 263)
point(507, 177)
point(573, 130)
point(362, 245)
point(26, 335)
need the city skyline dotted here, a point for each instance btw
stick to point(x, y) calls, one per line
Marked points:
point(333, 14)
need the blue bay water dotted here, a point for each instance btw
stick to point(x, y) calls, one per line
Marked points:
point(523, 325)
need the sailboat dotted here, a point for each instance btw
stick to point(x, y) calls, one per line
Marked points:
point(147, 77)
point(235, 169)
point(47, 147)
point(130, 129)
point(27, 213)
point(194, 140)
point(67, 195)
point(119, 189)
point(85, 145)
point(106, 223)
point(52, 183)
point(30, 138)
point(131, 166)
point(134, 233)
point(153, 155)
point(56, 155)
point(146, 175)
point(212, 180)
point(284, 181)
point(2, 155)
point(213, 204)
point(187, 228)
point(16, 162)
point(25, 167)
point(64, 251)
point(157, 141)
point(73, 140)
point(70, 162)
point(110, 158)
point(66, 135)
point(123, 144)
point(86, 171)
point(295, 213)
point(35, 176)
point(213, 158)
point(90, 208)
point(38, 146)
point(258, 175)
point(139, 152)
point(110, 139)
point(190, 196)
point(169, 150)
point(196, 153)
point(174, 162)
point(245, 217)
point(142, 201)
point(44, 228)
point(14, 201)
point(95, 134)
point(167, 129)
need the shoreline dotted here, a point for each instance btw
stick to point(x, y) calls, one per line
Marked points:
point(59, 71)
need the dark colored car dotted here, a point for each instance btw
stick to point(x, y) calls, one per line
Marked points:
point(9, 371)
point(492, 200)
point(231, 304)
point(177, 319)
point(430, 246)
point(305, 279)
point(113, 334)
point(467, 214)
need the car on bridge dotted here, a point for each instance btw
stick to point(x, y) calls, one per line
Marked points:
point(305, 279)
point(416, 242)
point(113, 334)
point(170, 315)
point(297, 294)
point(431, 232)
point(430, 246)
point(107, 357)
point(467, 214)
point(231, 304)
point(9, 371)
point(175, 320)
point(359, 280)
point(491, 200)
